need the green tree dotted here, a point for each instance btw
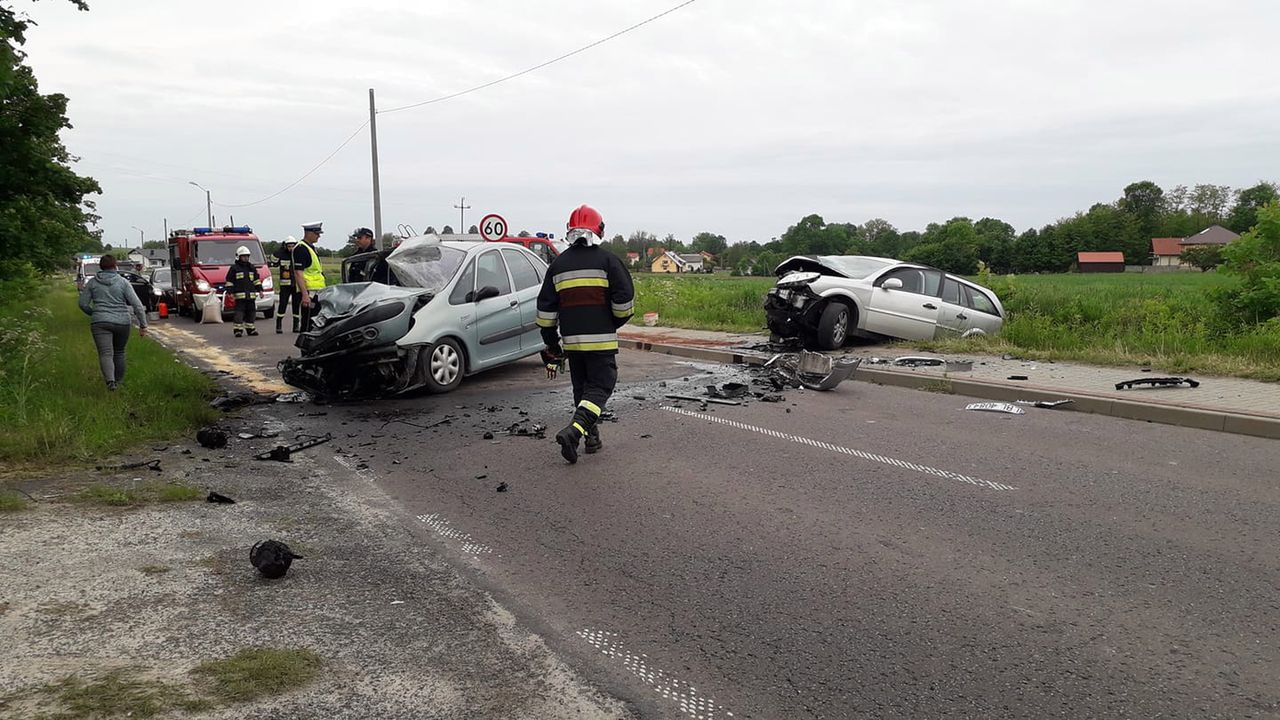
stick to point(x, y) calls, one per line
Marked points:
point(1245, 213)
point(1255, 260)
point(709, 242)
point(881, 238)
point(1144, 202)
point(1205, 257)
point(44, 217)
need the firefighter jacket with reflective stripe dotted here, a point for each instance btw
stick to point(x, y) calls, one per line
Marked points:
point(284, 260)
point(588, 295)
point(243, 281)
point(313, 274)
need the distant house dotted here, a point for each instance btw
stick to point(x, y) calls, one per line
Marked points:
point(1166, 252)
point(693, 263)
point(1212, 235)
point(707, 256)
point(156, 257)
point(667, 262)
point(633, 258)
point(1099, 262)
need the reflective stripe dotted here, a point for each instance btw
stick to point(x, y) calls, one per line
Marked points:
point(601, 337)
point(590, 407)
point(623, 309)
point(578, 427)
point(547, 319)
point(576, 274)
point(591, 347)
point(545, 323)
point(582, 282)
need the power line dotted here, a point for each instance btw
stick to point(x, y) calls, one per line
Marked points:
point(513, 76)
point(306, 175)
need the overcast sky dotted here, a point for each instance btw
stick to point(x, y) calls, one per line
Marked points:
point(733, 116)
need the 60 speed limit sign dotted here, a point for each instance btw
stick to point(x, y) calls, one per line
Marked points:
point(493, 227)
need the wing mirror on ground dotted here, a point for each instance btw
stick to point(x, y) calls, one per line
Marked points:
point(486, 292)
point(892, 284)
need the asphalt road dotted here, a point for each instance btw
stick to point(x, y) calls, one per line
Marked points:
point(869, 552)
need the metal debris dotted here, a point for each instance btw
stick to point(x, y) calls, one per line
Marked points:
point(219, 498)
point(293, 397)
point(502, 487)
point(728, 391)
point(810, 370)
point(1009, 408)
point(152, 465)
point(524, 428)
point(1017, 377)
point(282, 453)
point(702, 400)
point(918, 361)
point(1050, 404)
point(1158, 382)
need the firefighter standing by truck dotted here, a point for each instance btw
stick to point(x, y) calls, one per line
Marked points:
point(587, 295)
point(307, 262)
point(245, 287)
point(288, 284)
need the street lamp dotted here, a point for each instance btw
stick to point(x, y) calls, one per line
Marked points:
point(208, 203)
point(142, 236)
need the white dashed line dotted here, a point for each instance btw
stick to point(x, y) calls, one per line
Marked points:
point(444, 530)
point(670, 688)
point(354, 467)
point(861, 454)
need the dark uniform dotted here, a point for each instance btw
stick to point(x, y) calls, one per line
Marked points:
point(588, 295)
point(292, 260)
point(244, 285)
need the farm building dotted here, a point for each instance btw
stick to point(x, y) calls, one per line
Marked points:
point(1097, 262)
point(1166, 252)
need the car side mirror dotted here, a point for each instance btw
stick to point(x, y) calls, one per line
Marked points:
point(486, 292)
point(892, 284)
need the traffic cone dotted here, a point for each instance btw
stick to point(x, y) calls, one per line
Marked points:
point(163, 310)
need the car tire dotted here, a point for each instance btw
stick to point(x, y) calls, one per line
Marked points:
point(833, 326)
point(445, 365)
point(197, 314)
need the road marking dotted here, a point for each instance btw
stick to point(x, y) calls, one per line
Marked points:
point(670, 688)
point(444, 530)
point(862, 454)
point(354, 467)
point(185, 341)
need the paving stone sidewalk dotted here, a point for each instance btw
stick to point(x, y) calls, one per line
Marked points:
point(1235, 395)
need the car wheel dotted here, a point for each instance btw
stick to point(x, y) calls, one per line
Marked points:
point(197, 314)
point(445, 366)
point(833, 326)
point(268, 313)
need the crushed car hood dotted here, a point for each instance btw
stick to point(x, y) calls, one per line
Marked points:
point(343, 299)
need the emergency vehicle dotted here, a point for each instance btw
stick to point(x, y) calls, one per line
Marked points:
point(200, 259)
point(543, 245)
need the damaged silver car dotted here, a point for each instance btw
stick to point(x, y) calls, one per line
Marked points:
point(826, 299)
point(423, 315)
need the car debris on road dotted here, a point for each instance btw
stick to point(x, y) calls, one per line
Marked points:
point(1000, 407)
point(282, 453)
point(812, 370)
point(272, 558)
point(1158, 382)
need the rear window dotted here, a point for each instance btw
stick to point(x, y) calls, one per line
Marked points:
point(979, 301)
point(522, 270)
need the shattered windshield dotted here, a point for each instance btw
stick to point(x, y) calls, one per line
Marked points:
point(855, 266)
point(425, 263)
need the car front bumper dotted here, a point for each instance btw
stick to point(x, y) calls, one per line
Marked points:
point(791, 312)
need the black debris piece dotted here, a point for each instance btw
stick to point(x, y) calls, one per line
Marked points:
point(152, 465)
point(488, 436)
point(772, 398)
point(526, 429)
point(502, 487)
point(481, 476)
point(212, 438)
point(608, 416)
point(727, 391)
point(282, 453)
point(272, 558)
point(237, 400)
point(219, 498)
point(646, 436)
point(918, 361)
point(639, 397)
point(1017, 377)
point(1158, 382)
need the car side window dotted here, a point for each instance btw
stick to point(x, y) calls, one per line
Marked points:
point(912, 279)
point(979, 301)
point(522, 271)
point(544, 252)
point(951, 292)
point(490, 270)
point(932, 282)
point(461, 294)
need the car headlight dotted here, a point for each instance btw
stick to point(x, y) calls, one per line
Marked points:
point(319, 321)
point(202, 286)
point(268, 284)
point(155, 291)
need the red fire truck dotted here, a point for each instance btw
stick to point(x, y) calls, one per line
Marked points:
point(200, 259)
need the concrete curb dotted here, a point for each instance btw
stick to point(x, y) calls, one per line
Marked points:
point(1164, 413)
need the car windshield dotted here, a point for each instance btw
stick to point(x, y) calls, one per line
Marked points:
point(855, 266)
point(560, 246)
point(160, 277)
point(425, 263)
point(223, 252)
point(89, 268)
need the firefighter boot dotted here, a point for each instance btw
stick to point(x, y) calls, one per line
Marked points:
point(593, 444)
point(279, 324)
point(238, 332)
point(251, 330)
point(295, 323)
point(568, 439)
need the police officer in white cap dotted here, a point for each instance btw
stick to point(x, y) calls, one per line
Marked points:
point(307, 264)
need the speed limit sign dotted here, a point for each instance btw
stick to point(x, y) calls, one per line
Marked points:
point(493, 227)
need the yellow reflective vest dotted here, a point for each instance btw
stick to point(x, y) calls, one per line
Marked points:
point(313, 274)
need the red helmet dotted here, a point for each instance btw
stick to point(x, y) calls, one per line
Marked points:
point(587, 218)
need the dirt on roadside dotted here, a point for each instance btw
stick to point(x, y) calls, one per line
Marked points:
point(154, 590)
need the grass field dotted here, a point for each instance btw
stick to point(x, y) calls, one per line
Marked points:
point(54, 406)
point(1162, 320)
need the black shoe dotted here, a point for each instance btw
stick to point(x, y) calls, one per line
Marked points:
point(295, 326)
point(568, 439)
point(592, 443)
point(279, 329)
point(252, 332)
point(238, 332)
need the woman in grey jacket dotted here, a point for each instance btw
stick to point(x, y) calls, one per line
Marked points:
point(109, 301)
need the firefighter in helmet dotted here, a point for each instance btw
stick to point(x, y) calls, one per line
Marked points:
point(245, 287)
point(586, 296)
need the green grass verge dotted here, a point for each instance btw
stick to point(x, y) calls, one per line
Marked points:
point(1163, 320)
point(12, 502)
point(147, 494)
point(257, 672)
point(54, 406)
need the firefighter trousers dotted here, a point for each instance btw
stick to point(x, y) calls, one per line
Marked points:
point(593, 374)
point(287, 294)
point(246, 313)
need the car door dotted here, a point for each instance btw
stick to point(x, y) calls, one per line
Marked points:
point(526, 276)
point(909, 312)
point(954, 315)
point(982, 311)
point(497, 318)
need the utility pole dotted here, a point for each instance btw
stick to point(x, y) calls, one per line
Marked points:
point(373, 147)
point(166, 230)
point(142, 236)
point(462, 207)
point(208, 201)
